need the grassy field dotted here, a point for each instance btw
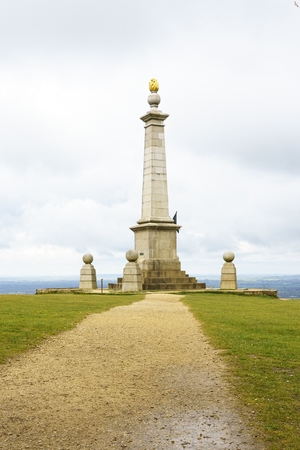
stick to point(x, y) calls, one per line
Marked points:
point(25, 320)
point(260, 338)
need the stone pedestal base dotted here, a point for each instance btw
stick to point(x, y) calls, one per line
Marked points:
point(132, 278)
point(156, 241)
point(156, 246)
point(228, 276)
point(88, 279)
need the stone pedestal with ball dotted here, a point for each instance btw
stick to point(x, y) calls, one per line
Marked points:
point(132, 275)
point(228, 275)
point(88, 278)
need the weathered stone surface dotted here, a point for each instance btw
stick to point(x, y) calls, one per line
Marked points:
point(228, 276)
point(132, 278)
point(88, 279)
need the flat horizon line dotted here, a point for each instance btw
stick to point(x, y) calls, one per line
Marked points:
point(115, 275)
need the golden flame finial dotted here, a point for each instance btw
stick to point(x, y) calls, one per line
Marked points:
point(153, 85)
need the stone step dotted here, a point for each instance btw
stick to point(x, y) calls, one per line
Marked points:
point(170, 280)
point(115, 286)
point(164, 274)
point(173, 286)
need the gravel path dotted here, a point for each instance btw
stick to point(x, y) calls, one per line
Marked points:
point(137, 377)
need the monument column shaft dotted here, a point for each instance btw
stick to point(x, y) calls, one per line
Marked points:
point(155, 204)
point(156, 233)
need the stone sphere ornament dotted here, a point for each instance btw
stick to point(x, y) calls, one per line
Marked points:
point(132, 255)
point(87, 258)
point(154, 100)
point(228, 257)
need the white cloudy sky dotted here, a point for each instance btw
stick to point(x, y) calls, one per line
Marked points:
point(73, 84)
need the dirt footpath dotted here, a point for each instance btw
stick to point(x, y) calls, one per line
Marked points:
point(136, 377)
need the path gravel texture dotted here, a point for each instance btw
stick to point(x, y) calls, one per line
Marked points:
point(137, 377)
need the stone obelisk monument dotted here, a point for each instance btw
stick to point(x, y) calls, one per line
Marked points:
point(155, 232)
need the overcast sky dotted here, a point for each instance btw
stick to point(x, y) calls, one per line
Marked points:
point(73, 84)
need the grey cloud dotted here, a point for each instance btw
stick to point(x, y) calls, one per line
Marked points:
point(73, 85)
point(119, 27)
point(101, 26)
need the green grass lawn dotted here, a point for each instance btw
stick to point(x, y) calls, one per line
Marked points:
point(260, 338)
point(25, 320)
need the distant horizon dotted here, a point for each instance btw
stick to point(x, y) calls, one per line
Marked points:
point(115, 275)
